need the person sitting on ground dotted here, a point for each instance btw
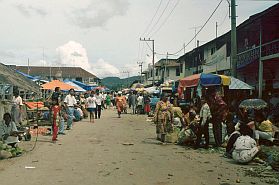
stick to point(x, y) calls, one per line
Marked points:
point(245, 147)
point(264, 128)
point(8, 130)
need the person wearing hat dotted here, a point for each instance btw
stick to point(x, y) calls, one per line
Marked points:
point(120, 103)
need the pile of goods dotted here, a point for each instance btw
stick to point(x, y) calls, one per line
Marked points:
point(7, 151)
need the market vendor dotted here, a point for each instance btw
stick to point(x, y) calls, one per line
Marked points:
point(8, 130)
point(264, 128)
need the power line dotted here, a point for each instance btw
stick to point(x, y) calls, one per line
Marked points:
point(166, 19)
point(148, 26)
point(159, 18)
point(200, 28)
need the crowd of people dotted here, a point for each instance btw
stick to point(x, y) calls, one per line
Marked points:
point(191, 123)
point(245, 129)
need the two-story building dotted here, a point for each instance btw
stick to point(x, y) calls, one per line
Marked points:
point(258, 33)
point(165, 70)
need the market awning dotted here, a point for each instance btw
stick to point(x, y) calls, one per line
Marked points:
point(238, 84)
point(209, 79)
point(190, 81)
point(56, 83)
point(77, 87)
point(226, 80)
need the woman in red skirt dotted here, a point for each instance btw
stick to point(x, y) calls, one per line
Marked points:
point(147, 108)
point(55, 120)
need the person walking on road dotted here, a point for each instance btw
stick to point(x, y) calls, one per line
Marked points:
point(120, 103)
point(140, 104)
point(90, 104)
point(108, 100)
point(70, 101)
point(99, 100)
point(133, 100)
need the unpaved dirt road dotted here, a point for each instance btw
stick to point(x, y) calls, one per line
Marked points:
point(123, 151)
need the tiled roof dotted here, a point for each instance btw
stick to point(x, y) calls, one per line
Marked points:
point(67, 72)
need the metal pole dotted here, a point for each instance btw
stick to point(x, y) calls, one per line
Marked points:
point(153, 65)
point(260, 66)
point(233, 39)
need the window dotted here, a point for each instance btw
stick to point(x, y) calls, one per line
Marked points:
point(168, 72)
point(181, 68)
point(177, 71)
point(157, 72)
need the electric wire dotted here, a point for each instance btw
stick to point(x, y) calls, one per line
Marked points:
point(148, 26)
point(161, 15)
point(200, 28)
point(166, 19)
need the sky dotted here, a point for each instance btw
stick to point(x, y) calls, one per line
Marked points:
point(103, 36)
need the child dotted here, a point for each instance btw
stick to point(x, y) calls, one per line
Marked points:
point(55, 120)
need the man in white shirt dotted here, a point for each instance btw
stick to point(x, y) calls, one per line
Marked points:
point(90, 104)
point(139, 104)
point(8, 130)
point(70, 101)
point(99, 99)
point(16, 108)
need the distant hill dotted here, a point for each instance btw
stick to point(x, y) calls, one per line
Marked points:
point(115, 83)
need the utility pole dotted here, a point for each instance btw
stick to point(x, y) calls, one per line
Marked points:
point(165, 70)
point(233, 39)
point(28, 71)
point(260, 66)
point(140, 65)
point(153, 55)
point(195, 28)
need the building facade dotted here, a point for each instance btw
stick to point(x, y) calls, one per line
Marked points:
point(59, 73)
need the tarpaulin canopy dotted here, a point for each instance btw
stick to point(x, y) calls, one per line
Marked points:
point(26, 75)
point(190, 81)
point(238, 84)
point(209, 79)
point(84, 86)
point(77, 87)
point(226, 80)
point(56, 83)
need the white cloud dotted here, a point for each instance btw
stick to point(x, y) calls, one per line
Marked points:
point(104, 69)
point(73, 54)
point(28, 10)
point(99, 12)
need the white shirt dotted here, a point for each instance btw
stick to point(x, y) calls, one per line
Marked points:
point(17, 101)
point(70, 100)
point(91, 102)
point(99, 99)
point(140, 100)
point(4, 129)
